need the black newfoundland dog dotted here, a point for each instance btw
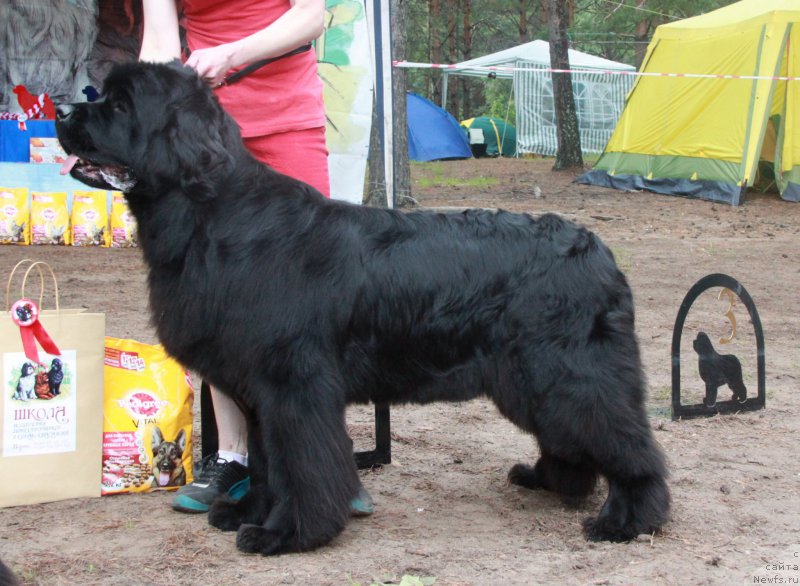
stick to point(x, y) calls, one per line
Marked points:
point(296, 306)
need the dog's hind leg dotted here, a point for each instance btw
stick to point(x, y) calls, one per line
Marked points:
point(582, 432)
point(733, 376)
point(311, 472)
point(638, 498)
point(573, 481)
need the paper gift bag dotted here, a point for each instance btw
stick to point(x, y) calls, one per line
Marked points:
point(51, 410)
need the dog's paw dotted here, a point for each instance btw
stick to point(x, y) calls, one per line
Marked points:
point(257, 539)
point(525, 476)
point(225, 515)
point(600, 529)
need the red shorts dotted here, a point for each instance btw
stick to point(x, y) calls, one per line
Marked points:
point(301, 154)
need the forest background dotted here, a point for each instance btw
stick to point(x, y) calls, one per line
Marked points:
point(451, 31)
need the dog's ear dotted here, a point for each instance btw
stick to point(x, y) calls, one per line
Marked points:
point(180, 441)
point(201, 144)
point(156, 439)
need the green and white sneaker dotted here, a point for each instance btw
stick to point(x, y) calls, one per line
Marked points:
point(213, 477)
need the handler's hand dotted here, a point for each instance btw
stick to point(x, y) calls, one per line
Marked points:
point(212, 64)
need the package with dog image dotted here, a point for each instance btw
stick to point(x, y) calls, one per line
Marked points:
point(50, 218)
point(15, 212)
point(89, 218)
point(147, 424)
point(123, 224)
point(51, 404)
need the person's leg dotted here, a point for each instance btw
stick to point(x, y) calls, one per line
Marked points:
point(224, 472)
point(231, 427)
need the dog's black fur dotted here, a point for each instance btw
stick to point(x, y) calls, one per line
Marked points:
point(296, 306)
point(717, 370)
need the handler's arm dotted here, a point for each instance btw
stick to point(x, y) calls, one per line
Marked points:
point(160, 39)
point(303, 22)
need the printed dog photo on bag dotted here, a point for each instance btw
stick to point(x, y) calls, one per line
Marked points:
point(29, 381)
point(168, 459)
point(35, 420)
point(26, 383)
point(42, 387)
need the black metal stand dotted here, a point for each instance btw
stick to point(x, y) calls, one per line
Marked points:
point(680, 411)
point(382, 454)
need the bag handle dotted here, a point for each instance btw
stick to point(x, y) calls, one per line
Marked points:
point(38, 266)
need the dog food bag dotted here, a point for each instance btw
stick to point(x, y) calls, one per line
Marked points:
point(147, 419)
point(123, 224)
point(49, 218)
point(90, 218)
point(15, 226)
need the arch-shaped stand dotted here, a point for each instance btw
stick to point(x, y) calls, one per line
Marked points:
point(680, 411)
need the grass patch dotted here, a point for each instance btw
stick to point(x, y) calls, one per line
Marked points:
point(426, 182)
point(623, 257)
point(430, 175)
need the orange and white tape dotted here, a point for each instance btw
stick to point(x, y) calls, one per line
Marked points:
point(489, 68)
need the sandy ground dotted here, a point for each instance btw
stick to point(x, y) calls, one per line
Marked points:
point(444, 509)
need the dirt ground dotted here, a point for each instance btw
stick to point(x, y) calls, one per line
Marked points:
point(443, 507)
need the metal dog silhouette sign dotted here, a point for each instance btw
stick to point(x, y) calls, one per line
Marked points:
point(718, 372)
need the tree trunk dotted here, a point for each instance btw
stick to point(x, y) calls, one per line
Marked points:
point(642, 28)
point(435, 47)
point(522, 6)
point(568, 153)
point(402, 170)
point(376, 186)
point(466, 23)
point(453, 100)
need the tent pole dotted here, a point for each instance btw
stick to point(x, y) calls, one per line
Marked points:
point(388, 101)
point(444, 90)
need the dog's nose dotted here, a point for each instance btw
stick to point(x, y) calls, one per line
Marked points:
point(64, 111)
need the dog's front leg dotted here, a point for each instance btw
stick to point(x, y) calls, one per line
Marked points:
point(254, 507)
point(311, 473)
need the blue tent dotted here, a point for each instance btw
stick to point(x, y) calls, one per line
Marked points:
point(433, 134)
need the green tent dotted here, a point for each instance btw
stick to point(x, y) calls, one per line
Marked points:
point(492, 137)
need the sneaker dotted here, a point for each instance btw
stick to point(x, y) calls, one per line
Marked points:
point(213, 477)
point(361, 505)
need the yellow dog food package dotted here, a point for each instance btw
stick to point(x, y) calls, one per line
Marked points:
point(49, 218)
point(15, 215)
point(123, 224)
point(147, 419)
point(90, 218)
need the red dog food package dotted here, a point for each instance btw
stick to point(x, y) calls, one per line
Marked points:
point(50, 218)
point(123, 224)
point(15, 215)
point(147, 419)
point(89, 218)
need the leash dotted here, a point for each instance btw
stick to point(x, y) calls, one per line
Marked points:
point(245, 71)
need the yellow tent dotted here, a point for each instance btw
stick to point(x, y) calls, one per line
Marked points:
point(717, 93)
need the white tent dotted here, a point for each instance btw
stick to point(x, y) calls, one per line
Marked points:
point(599, 93)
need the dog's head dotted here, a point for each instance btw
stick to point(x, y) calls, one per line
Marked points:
point(167, 457)
point(24, 312)
point(27, 369)
point(702, 344)
point(157, 127)
point(55, 365)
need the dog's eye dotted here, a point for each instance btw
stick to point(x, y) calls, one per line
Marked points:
point(120, 106)
point(119, 103)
